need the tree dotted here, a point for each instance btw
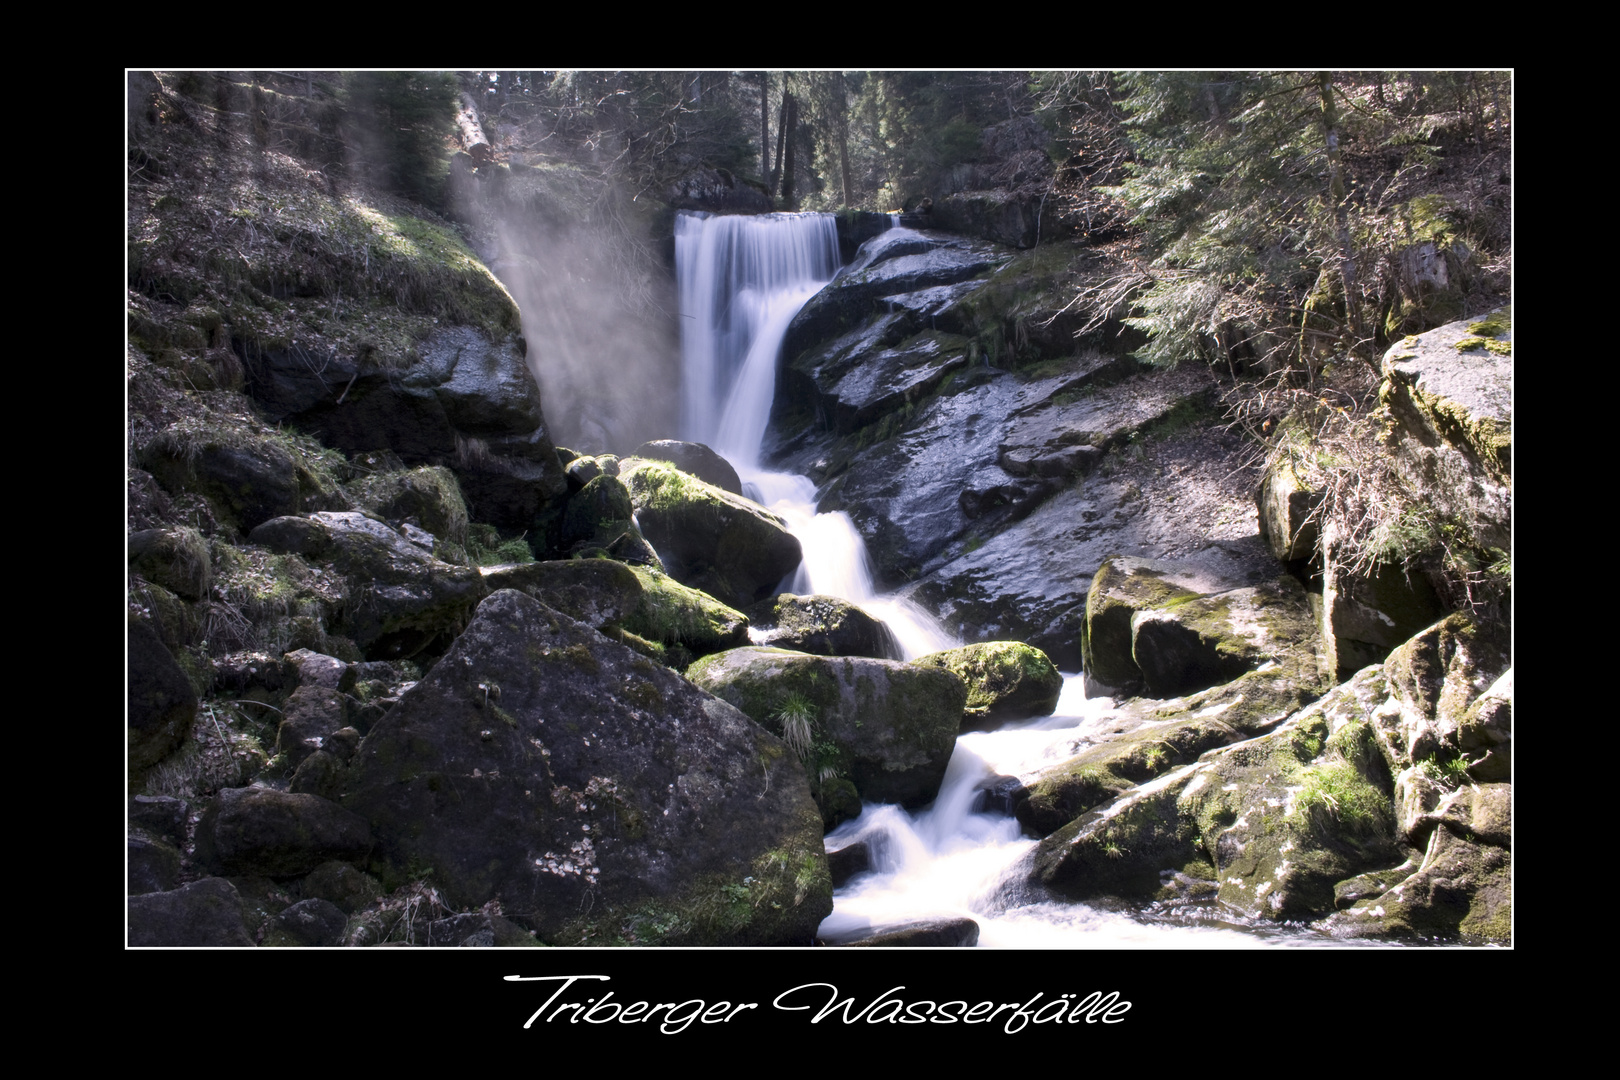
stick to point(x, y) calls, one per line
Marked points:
point(1261, 224)
point(400, 120)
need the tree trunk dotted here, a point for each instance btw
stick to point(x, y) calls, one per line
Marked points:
point(840, 122)
point(790, 127)
point(765, 126)
point(781, 135)
point(471, 131)
point(1338, 199)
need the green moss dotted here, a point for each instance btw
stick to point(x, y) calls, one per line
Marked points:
point(1500, 348)
point(1335, 798)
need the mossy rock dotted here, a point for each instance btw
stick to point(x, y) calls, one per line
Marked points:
point(1006, 680)
point(728, 546)
point(669, 613)
point(823, 625)
point(430, 497)
point(1276, 822)
point(887, 727)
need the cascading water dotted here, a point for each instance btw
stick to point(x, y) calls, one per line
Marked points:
point(742, 280)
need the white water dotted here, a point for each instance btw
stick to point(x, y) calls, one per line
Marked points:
point(742, 279)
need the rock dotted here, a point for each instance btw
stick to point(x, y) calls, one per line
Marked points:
point(401, 600)
point(669, 613)
point(315, 669)
point(584, 468)
point(308, 922)
point(203, 913)
point(601, 795)
point(467, 401)
point(694, 458)
point(1462, 888)
point(176, 559)
point(932, 934)
point(429, 496)
point(1146, 739)
point(709, 539)
point(309, 715)
point(475, 930)
point(847, 861)
point(1435, 679)
point(277, 834)
point(162, 701)
point(894, 262)
point(1006, 680)
point(1275, 822)
point(1449, 393)
point(886, 726)
point(152, 865)
point(1173, 628)
point(246, 476)
point(992, 215)
point(1487, 727)
point(161, 816)
point(597, 513)
point(342, 884)
point(597, 592)
point(1287, 507)
point(1367, 611)
point(822, 625)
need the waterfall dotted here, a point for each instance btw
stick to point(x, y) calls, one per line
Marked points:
point(741, 281)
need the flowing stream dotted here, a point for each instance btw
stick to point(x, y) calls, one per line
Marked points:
point(742, 279)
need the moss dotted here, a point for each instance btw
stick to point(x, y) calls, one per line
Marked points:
point(1500, 348)
point(1336, 799)
point(670, 613)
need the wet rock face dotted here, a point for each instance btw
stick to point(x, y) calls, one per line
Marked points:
point(599, 796)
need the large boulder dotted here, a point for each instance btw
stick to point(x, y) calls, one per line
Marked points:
point(400, 599)
point(1172, 628)
point(600, 797)
point(696, 459)
point(203, 913)
point(1449, 394)
point(669, 613)
point(823, 625)
point(888, 727)
point(1149, 738)
point(1006, 680)
point(1269, 825)
point(259, 831)
point(731, 548)
point(597, 592)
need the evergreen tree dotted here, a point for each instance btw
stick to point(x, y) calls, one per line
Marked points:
point(401, 120)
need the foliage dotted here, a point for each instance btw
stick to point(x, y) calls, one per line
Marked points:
point(1274, 205)
point(796, 713)
point(401, 121)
